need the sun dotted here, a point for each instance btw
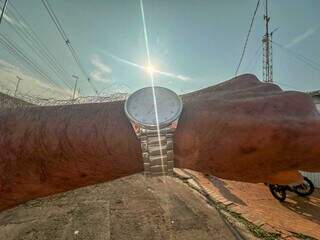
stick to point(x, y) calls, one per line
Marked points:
point(150, 69)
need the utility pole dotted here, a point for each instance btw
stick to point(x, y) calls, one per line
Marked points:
point(267, 68)
point(17, 86)
point(3, 10)
point(75, 86)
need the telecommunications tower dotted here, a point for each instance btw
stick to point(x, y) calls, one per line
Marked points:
point(267, 50)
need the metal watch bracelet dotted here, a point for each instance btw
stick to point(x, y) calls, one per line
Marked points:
point(157, 151)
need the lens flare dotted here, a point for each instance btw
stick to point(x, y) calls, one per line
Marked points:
point(150, 67)
point(181, 77)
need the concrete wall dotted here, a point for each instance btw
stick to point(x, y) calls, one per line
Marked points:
point(314, 177)
point(317, 102)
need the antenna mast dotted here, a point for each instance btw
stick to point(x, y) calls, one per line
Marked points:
point(267, 50)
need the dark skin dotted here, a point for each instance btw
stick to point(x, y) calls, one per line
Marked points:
point(241, 130)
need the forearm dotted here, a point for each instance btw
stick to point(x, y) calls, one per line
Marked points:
point(47, 150)
point(245, 147)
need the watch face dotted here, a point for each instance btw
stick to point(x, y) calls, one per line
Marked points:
point(140, 106)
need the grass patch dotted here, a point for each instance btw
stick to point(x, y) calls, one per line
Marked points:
point(257, 231)
point(302, 236)
point(231, 216)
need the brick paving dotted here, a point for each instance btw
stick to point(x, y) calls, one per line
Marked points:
point(255, 203)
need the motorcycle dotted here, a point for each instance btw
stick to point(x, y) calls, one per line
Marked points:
point(304, 189)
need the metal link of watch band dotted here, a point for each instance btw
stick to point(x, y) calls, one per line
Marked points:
point(157, 151)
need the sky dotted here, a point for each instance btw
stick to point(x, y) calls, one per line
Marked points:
point(193, 44)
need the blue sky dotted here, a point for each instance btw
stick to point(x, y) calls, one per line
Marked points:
point(197, 42)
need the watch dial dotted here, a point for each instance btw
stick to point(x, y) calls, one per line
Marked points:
point(140, 106)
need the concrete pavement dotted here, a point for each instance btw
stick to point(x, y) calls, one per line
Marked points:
point(127, 208)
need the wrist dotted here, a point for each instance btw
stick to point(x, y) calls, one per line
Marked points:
point(186, 140)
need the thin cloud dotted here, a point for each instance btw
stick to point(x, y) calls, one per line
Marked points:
point(172, 75)
point(144, 68)
point(6, 66)
point(308, 33)
point(101, 72)
point(184, 78)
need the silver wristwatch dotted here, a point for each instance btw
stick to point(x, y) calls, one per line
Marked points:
point(154, 113)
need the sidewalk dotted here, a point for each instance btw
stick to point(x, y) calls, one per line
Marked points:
point(293, 219)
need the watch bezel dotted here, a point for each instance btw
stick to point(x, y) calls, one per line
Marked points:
point(153, 126)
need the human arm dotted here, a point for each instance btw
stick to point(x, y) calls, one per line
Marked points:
point(242, 130)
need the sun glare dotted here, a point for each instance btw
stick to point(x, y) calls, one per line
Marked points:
point(150, 69)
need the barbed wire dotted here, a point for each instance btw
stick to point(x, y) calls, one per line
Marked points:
point(7, 96)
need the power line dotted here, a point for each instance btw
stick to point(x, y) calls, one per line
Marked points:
point(29, 41)
point(287, 85)
point(17, 52)
point(254, 66)
point(67, 42)
point(247, 38)
point(299, 56)
point(254, 59)
point(38, 54)
point(30, 34)
point(3, 10)
point(312, 64)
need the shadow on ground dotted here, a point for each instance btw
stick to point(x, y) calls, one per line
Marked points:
point(309, 207)
point(254, 202)
point(225, 192)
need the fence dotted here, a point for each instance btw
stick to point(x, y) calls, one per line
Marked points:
point(8, 100)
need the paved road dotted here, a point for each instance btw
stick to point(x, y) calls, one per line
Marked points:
point(128, 208)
